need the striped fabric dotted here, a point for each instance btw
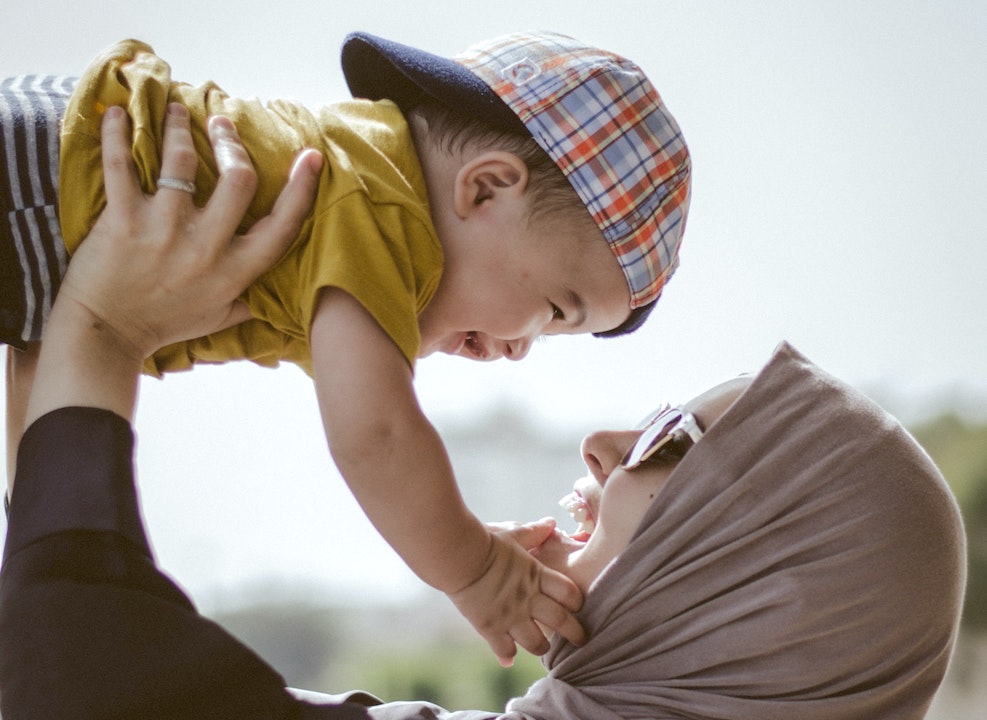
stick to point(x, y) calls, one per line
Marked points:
point(599, 117)
point(32, 254)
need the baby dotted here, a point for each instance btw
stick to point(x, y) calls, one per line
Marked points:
point(531, 186)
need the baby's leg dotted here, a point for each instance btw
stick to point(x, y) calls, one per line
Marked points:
point(32, 253)
point(21, 365)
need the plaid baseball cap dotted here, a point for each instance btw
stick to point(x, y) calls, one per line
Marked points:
point(595, 113)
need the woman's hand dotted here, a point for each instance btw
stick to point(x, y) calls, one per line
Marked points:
point(155, 269)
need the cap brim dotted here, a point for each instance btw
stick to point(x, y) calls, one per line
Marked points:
point(378, 69)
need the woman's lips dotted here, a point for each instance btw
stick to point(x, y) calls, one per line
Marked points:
point(575, 505)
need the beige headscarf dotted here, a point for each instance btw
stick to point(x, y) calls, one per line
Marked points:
point(805, 560)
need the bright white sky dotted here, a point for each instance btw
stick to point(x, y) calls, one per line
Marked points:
point(840, 160)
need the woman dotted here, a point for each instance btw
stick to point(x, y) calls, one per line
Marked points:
point(804, 559)
point(791, 554)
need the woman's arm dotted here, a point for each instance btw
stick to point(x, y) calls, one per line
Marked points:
point(89, 627)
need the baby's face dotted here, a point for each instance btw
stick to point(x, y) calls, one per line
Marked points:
point(508, 281)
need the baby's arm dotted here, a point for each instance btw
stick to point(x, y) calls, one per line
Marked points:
point(396, 465)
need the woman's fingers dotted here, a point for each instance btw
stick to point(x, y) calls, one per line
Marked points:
point(271, 236)
point(176, 184)
point(237, 178)
point(122, 187)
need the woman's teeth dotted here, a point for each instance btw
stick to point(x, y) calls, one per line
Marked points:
point(575, 505)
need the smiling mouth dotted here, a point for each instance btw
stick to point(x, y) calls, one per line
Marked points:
point(575, 505)
point(472, 347)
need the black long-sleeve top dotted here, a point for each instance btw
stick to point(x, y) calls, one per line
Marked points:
point(89, 626)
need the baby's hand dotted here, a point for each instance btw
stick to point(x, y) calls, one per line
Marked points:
point(515, 594)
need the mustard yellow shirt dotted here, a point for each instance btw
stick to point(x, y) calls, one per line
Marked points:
point(370, 233)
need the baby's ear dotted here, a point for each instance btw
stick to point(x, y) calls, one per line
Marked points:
point(485, 176)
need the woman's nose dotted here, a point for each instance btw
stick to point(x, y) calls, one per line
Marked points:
point(603, 450)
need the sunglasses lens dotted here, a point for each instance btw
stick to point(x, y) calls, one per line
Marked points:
point(650, 441)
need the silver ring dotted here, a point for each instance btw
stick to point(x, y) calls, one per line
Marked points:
point(176, 184)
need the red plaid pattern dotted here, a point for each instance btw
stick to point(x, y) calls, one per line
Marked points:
point(598, 116)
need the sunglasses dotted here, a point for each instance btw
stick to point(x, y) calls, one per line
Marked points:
point(669, 431)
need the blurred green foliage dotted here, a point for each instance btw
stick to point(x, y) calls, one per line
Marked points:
point(455, 675)
point(959, 448)
point(302, 641)
point(424, 651)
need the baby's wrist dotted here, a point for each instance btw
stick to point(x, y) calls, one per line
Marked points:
point(478, 561)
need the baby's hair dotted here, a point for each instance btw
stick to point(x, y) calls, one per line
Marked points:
point(550, 193)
